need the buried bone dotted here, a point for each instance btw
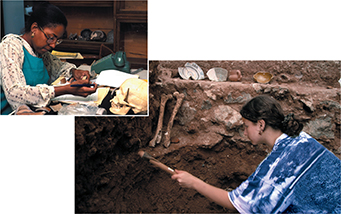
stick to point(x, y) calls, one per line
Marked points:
point(158, 134)
point(179, 99)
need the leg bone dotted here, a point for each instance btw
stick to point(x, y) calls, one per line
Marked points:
point(179, 99)
point(158, 134)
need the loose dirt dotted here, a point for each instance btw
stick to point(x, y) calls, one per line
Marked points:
point(207, 136)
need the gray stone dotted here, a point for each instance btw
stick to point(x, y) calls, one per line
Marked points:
point(241, 99)
point(226, 115)
point(186, 113)
point(206, 105)
point(320, 127)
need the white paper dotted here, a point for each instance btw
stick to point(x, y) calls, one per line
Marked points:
point(113, 78)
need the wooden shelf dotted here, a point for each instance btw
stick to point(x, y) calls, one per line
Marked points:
point(82, 3)
point(132, 7)
point(121, 17)
point(84, 47)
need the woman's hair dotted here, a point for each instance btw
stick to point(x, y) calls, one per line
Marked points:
point(266, 108)
point(45, 14)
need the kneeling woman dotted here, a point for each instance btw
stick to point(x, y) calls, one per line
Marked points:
point(27, 66)
point(298, 176)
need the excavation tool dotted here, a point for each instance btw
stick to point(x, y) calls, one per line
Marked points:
point(156, 163)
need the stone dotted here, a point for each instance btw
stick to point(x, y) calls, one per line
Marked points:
point(322, 126)
point(241, 99)
point(226, 115)
point(186, 113)
point(307, 104)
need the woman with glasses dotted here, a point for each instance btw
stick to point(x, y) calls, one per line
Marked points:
point(28, 68)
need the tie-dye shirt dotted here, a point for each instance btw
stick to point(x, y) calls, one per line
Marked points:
point(298, 176)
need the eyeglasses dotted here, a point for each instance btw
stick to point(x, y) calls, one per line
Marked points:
point(51, 40)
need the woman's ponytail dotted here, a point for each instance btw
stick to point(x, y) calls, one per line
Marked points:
point(291, 126)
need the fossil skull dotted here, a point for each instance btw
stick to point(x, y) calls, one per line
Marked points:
point(132, 94)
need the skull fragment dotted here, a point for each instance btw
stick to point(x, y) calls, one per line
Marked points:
point(132, 94)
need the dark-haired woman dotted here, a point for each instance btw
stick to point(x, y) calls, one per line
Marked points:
point(28, 68)
point(298, 176)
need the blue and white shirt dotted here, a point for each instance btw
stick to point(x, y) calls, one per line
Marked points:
point(298, 176)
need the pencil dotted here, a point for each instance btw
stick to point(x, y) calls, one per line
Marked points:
point(82, 85)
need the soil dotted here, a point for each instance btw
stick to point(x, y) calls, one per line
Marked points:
point(110, 176)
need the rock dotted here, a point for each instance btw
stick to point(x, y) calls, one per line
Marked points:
point(221, 130)
point(206, 105)
point(331, 105)
point(226, 115)
point(307, 105)
point(320, 127)
point(186, 113)
point(241, 99)
point(211, 95)
point(209, 140)
point(258, 88)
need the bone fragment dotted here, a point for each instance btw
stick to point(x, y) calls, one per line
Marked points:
point(179, 99)
point(158, 135)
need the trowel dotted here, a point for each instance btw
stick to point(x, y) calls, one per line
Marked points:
point(156, 163)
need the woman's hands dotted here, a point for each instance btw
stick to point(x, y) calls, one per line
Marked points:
point(185, 179)
point(78, 91)
point(215, 194)
point(81, 91)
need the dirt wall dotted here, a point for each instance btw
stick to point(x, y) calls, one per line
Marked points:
point(207, 139)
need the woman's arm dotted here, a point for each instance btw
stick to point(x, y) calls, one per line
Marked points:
point(79, 91)
point(215, 194)
point(13, 81)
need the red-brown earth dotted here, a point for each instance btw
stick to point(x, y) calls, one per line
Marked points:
point(207, 135)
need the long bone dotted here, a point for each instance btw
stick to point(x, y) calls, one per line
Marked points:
point(158, 135)
point(179, 99)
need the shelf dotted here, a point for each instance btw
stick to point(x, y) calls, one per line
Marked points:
point(132, 7)
point(84, 47)
point(82, 3)
point(127, 19)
